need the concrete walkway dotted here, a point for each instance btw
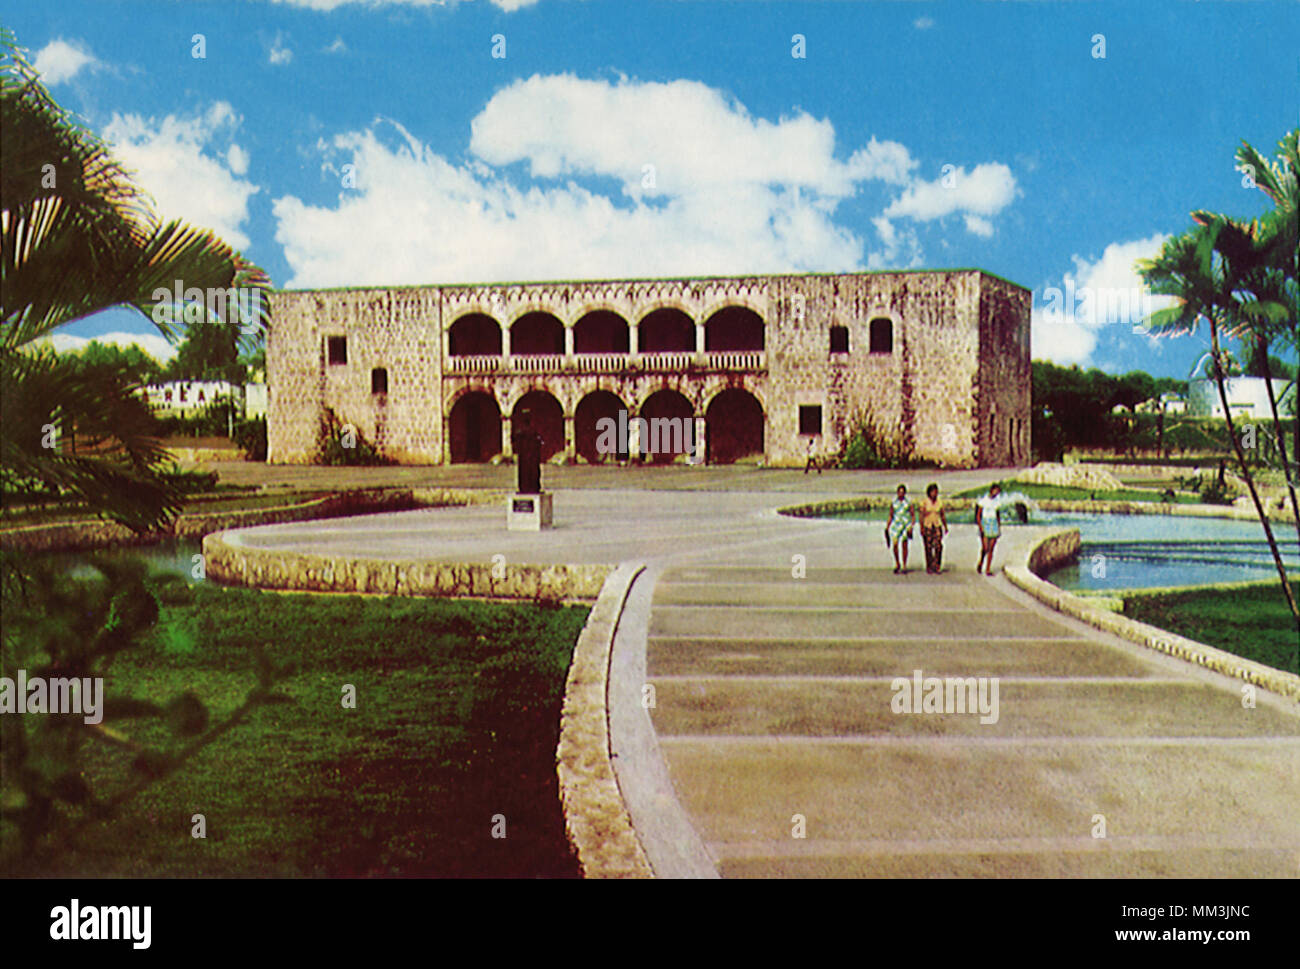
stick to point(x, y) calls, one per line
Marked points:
point(771, 644)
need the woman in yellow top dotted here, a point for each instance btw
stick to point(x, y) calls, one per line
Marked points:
point(934, 526)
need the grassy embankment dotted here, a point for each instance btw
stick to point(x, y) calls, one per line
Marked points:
point(456, 722)
point(1253, 622)
point(1040, 492)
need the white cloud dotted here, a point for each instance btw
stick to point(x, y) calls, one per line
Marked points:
point(61, 60)
point(885, 160)
point(337, 47)
point(978, 194)
point(985, 190)
point(237, 160)
point(923, 23)
point(151, 343)
point(699, 185)
point(691, 133)
point(177, 163)
point(279, 53)
point(1103, 292)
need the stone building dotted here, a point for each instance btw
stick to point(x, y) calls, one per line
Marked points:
point(760, 366)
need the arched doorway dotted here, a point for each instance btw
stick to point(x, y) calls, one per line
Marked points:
point(475, 428)
point(733, 426)
point(669, 429)
point(734, 328)
point(541, 413)
point(591, 410)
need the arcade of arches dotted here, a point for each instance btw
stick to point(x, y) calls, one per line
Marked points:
point(733, 426)
point(666, 330)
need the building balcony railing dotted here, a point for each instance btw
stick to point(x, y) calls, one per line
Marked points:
point(609, 363)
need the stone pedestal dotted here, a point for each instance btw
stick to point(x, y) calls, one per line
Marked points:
point(528, 513)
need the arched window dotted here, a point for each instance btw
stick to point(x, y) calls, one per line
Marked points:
point(839, 339)
point(882, 335)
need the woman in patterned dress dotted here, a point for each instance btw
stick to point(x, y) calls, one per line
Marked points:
point(934, 526)
point(898, 529)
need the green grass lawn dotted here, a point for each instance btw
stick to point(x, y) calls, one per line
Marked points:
point(1253, 622)
point(456, 722)
point(1059, 492)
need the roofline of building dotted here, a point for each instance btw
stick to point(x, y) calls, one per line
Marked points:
point(650, 279)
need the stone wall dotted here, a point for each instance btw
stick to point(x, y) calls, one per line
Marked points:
point(395, 329)
point(1003, 388)
point(956, 374)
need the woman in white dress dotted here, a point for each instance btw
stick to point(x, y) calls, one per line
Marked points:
point(988, 511)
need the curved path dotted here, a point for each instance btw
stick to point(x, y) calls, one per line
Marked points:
point(769, 746)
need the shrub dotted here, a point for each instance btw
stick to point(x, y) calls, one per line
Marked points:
point(250, 435)
point(342, 444)
point(873, 444)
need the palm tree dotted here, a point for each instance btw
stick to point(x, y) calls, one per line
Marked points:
point(1270, 277)
point(79, 237)
point(1191, 269)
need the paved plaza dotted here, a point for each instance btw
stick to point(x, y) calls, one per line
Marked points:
point(772, 643)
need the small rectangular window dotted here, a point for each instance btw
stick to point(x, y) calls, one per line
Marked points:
point(379, 380)
point(810, 419)
point(337, 350)
point(839, 339)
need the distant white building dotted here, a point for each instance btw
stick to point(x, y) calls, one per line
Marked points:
point(1169, 402)
point(187, 398)
point(254, 400)
point(1247, 396)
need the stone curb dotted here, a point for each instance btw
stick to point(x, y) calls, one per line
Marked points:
point(595, 815)
point(234, 564)
point(1056, 547)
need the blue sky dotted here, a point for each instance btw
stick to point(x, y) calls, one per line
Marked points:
point(664, 138)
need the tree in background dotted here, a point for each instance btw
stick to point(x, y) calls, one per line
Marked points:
point(1191, 268)
point(1267, 256)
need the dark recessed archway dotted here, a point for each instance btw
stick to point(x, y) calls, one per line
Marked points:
point(669, 430)
point(541, 413)
point(600, 332)
point(734, 328)
point(589, 440)
point(475, 428)
point(734, 426)
point(474, 335)
point(535, 334)
point(666, 330)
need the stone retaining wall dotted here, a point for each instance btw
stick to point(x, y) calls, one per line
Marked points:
point(230, 562)
point(85, 535)
point(1044, 552)
point(595, 815)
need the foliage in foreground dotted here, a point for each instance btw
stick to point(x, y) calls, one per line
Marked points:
point(71, 629)
point(456, 721)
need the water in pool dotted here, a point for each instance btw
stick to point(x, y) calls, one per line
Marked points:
point(1151, 551)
